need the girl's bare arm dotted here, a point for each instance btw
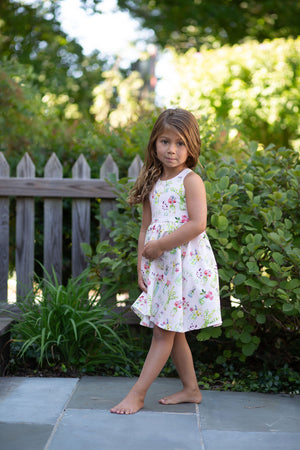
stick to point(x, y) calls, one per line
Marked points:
point(146, 220)
point(197, 211)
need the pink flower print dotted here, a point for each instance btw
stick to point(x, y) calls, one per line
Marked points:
point(168, 282)
point(209, 295)
point(183, 254)
point(146, 266)
point(184, 219)
point(207, 273)
point(172, 200)
point(177, 304)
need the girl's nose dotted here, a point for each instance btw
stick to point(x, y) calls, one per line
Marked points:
point(172, 148)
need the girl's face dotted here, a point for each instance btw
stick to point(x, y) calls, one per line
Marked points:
point(171, 151)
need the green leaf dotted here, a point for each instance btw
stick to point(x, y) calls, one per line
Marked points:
point(239, 279)
point(268, 282)
point(86, 248)
point(233, 188)
point(204, 334)
point(278, 257)
point(252, 266)
point(222, 223)
point(249, 349)
point(245, 338)
point(252, 283)
point(224, 182)
point(216, 332)
point(288, 307)
point(227, 323)
point(260, 318)
point(220, 359)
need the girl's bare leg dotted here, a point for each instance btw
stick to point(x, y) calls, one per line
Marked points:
point(159, 352)
point(183, 360)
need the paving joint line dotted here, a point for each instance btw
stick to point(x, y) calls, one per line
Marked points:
point(199, 425)
point(60, 417)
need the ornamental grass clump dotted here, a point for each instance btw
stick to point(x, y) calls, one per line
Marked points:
point(72, 326)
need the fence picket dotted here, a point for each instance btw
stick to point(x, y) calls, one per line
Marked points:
point(25, 232)
point(135, 168)
point(53, 223)
point(108, 167)
point(4, 232)
point(80, 219)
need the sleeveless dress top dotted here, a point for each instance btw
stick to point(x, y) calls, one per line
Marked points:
point(182, 284)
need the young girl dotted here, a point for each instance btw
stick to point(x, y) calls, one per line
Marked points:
point(177, 271)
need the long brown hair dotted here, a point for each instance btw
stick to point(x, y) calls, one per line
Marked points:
point(186, 125)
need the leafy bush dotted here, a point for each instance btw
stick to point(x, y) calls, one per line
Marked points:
point(254, 225)
point(70, 325)
point(115, 261)
point(254, 85)
point(229, 377)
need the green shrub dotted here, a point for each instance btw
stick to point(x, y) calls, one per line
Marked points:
point(115, 261)
point(229, 377)
point(70, 325)
point(254, 225)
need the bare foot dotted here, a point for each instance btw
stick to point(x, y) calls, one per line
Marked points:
point(184, 396)
point(131, 404)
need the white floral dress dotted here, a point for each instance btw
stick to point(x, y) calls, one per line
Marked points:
point(183, 285)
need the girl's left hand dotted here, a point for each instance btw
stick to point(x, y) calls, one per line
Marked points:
point(152, 250)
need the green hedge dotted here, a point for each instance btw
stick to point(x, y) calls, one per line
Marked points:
point(254, 225)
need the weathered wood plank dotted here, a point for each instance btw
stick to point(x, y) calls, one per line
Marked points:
point(81, 218)
point(135, 168)
point(53, 223)
point(55, 188)
point(108, 167)
point(4, 233)
point(25, 233)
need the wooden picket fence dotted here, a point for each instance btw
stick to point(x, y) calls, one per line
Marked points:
point(52, 188)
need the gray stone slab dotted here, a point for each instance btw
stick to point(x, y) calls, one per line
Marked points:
point(34, 400)
point(97, 429)
point(249, 411)
point(24, 436)
point(237, 440)
point(106, 392)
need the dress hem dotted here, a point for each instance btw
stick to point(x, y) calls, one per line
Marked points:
point(146, 321)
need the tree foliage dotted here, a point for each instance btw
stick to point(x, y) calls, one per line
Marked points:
point(252, 85)
point(32, 35)
point(191, 23)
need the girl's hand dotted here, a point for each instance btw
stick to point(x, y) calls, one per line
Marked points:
point(152, 250)
point(141, 282)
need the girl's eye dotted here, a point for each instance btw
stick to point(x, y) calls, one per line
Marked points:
point(180, 143)
point(164, 141)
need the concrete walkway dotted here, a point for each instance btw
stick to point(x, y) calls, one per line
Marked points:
point(73, 414)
